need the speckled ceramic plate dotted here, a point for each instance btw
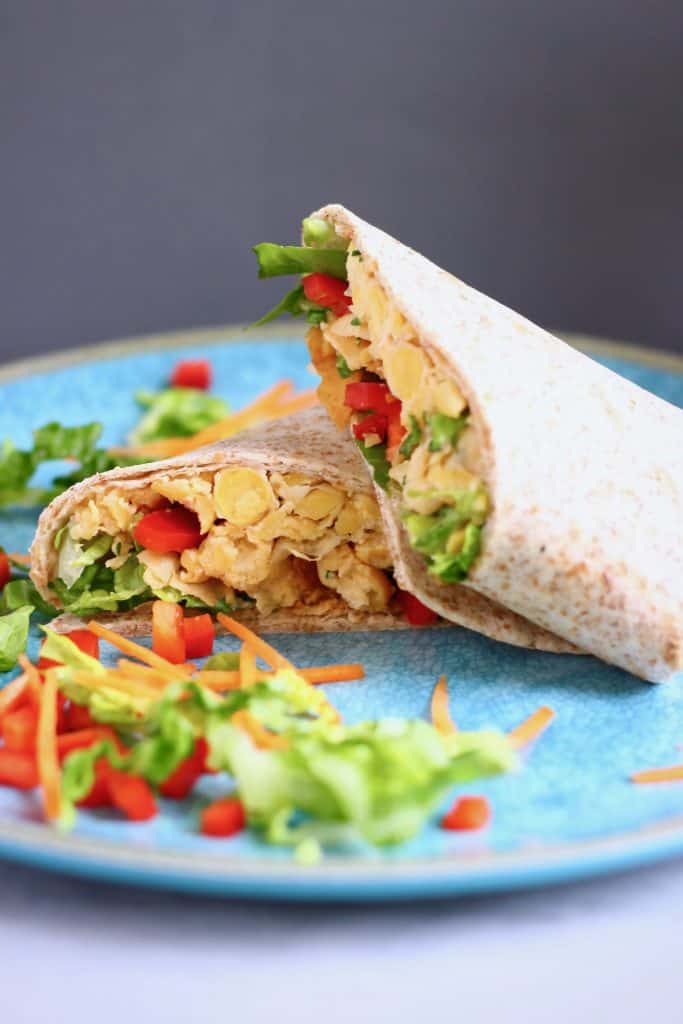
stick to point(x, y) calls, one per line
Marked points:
point(570, 812)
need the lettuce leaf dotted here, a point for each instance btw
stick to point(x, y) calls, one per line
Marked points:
point(280, 260)
point(176, 412)
point(99, 589)
point(51, 442)
point(58, 647)
point(13, 636)
point(376, 457)
point(20, 592)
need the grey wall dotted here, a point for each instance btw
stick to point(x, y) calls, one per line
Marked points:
point(535, 148)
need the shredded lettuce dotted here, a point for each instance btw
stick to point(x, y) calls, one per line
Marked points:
point(99, 589)
point(412, 438)
point(281, 260)
point(444, 430)
point(13, 636)
point(51, 442)
point(376, 457)
point(20, 592)
point(375, 780)
point(176, 412)
point(58, 647)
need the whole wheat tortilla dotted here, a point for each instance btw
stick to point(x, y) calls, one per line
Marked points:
point(306, 443)
point(584, 469)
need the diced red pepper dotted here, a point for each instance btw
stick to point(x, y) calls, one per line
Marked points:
point(370, 396)
point(192, 373)
point(18, 770)
point(467, 814)
point(200, 633)
point(328, 291)
point(168, 529)
point(132, 795)
point(395, 430)
point(5, 569)
point(180, 782)
point(99, 791)
point(78, 717)
point(19, 730)
point(84, 640)
point(415, 612)
point(168, 638)
point(84, 738)
point(375, 423)
point(223, 818)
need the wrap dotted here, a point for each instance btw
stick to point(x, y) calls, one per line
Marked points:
point(289, 539)
point(569, 509)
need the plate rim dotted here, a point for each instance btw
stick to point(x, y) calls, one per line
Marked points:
point(455, 873)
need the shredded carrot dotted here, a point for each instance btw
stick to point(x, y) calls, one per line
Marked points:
point(143, 673)
point(115, 681)
point(21, 559)
point(441, 718)
point(33, 675)
point(262, 738)
point(332, 673)
point(227, 680)
point(249, 673)
point(259, 646)
point(13, 693)
point(137, 651)
point(673, 773)
point(531, 727)
point(46, 747)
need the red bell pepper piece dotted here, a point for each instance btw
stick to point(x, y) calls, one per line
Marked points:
point(84, 640)
point(180, 782)
point(168, 638)
point(395, 430)
point(468, 813)
point(200, 633)
point(132, 795)
point(168, 529)
point(192, 373)
point(328, 291)
point(223, 818)
point(19, 730)
point(370, 396)
point(83, 738)
point(375, 423)
point(415, 612)
point(18, 770)
point(99, 791)
point(5, 569)
point(78, 717)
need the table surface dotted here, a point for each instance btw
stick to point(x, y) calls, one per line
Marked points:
point(79, 951)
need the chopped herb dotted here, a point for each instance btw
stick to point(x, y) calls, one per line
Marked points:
point(343, 368)
point(355, 322)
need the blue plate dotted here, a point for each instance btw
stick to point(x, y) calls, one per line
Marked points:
point(570, 813)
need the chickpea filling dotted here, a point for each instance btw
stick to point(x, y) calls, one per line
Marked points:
point(426, 445)
point(269, 539)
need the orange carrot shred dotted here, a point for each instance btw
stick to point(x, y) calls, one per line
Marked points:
point(531, 727)
point(441, 718)
point(21, 559)
point(333, 673)
point(259, 646)
point(262, 738)
point(672, 773)
point(249, 673)
point(46, 747)
point(137, 651)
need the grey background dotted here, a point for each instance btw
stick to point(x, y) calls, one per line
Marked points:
point(532, 147)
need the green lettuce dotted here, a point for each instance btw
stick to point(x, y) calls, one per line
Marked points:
point(176, 412)
point(13, 636)
point(412, 438)
point(376, 457)
point(58, 647)
point(100, 589)
point(444, 430)
point(281, 260)
point(20, 592)
point(51, 442)
point(375, 780)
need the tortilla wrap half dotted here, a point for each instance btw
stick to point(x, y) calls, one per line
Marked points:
point(580, 527)
point(301, 459)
